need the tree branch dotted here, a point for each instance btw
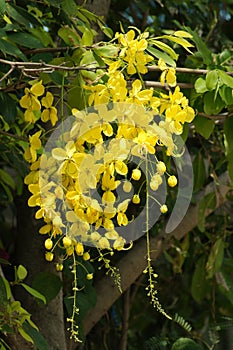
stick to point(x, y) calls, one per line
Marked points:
point(132, 265)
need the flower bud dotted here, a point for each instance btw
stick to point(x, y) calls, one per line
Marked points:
point(136, 174)
point(172, 181)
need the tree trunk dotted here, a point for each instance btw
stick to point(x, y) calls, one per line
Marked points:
point(30, 253)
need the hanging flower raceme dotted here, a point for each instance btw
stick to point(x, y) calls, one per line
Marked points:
point(100, 180)
point(82, 192)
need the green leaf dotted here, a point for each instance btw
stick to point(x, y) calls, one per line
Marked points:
point(228, 142)
point(109, 51)
point(207, 202)
point(26, 40)
point(43, 36)
point(215, 259)
point(7, 179)
point(21, 272)
point(204, 126)
point(22, 16)
point(182, 34)
point(186, 344)
point(8, 288)
point(201, 46)
point(9, 49)
point(39, 341)
point(200, 86)
point(225, 78)
point(160, 54)
point(69, 36)
point(164, 47)
point(199, 285)
point(8, 107)
point(213, 104)
point(199, 172)
point(107, 31)
point(2, 8)
point(70, 7)
point(47, 283)
point(226, 94)
point(87, 38)
point(33, 292)
point(212, 79)
point(3, 292)
point(25, 335)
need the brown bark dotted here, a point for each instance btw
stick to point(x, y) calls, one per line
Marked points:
point(30, 253)
point(132, 265)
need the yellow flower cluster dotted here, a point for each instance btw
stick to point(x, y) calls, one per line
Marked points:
point(87, 182)
point(177, 111)
point(30, 101)
point(76, 190)
point(132, 51)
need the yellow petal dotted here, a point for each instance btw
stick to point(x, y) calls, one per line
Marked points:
point(59, 154)
point(47, 101)
point(121, 167)
point(37, 89)
point(45, 229)
point(108, 196)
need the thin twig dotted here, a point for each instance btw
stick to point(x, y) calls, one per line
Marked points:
point(185, 70)
point(12, 135)
point(8, 73)
point(156, 84)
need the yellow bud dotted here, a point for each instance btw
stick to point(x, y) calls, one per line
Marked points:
point(79, 249)
point(70, 250)
point(161, 168)
point(163, 209)
point(67, 242)
point(48, 244)
point(49, 256)
point(59, 267)
point(127, 186)
point(136, 199)
point(136, 174)
point(154, 185)
point(86, 256)
point(89, 276)
point(172, 181)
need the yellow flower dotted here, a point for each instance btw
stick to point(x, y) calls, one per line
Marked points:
point(109, 184)
point(30, 100)
point(99, 94)
point(168, 75)
point(105, 217)
point(30, 153)
point(137, 95)
point(133, 52)
point(117, 87)
point(50, 112)
point(121, 216)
